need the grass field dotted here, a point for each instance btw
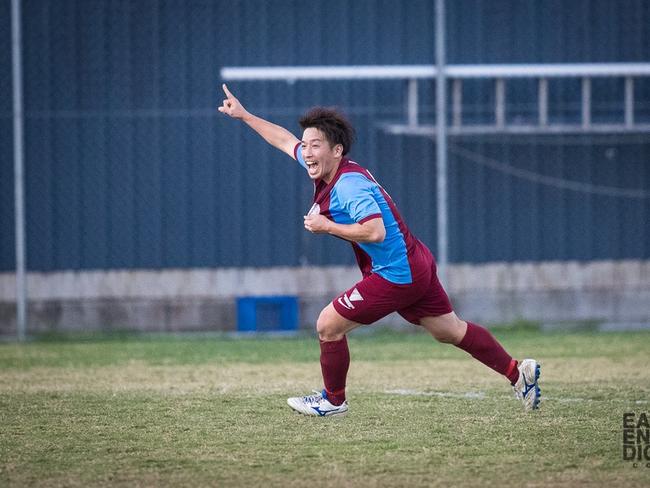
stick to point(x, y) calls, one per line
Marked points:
point(211, 411)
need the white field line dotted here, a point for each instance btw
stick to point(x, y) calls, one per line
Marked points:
point(480, 395)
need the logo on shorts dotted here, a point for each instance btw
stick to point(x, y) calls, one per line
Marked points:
point(355, 296)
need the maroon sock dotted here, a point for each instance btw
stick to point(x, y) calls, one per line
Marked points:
point(484, 347)
point(334, 363)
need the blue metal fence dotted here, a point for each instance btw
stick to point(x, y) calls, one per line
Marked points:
point(130, 166)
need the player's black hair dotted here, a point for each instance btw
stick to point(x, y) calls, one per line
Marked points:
point(332, 123)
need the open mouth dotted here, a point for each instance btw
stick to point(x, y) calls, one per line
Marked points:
point(312, 166)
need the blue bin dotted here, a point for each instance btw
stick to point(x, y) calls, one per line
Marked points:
point(267, 313)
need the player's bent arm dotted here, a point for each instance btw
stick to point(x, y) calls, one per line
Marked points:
point(275, 135)
point(369, 231)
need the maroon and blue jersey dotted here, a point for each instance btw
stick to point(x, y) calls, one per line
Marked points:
point(354, 196)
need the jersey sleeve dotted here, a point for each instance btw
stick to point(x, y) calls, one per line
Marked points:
point(297, 153)
point(356, 194)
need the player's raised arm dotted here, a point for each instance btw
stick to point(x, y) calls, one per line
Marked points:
point(275, 135)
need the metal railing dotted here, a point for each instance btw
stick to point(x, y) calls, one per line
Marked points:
point(499, 73)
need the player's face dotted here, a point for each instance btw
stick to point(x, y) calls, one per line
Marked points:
point(322, 159)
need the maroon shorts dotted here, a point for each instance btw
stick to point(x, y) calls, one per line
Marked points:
point(375, 297)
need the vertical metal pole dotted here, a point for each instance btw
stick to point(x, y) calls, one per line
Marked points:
point(629, 102)
point(586, 103)
point(542, 102)
point(441, 143)
point(457, 103)
point(412, 102)
point(19, 203)
point(500, 102)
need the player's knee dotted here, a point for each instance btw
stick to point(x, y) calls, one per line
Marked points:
point(440, 337)
point(323, 326)
point(444, 336)
point(448, 330)
point(326, 327)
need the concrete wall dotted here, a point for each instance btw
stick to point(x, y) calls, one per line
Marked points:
point(554, 293)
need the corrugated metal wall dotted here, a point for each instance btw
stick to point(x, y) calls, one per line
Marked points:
point(6, 137)
point(130, 166)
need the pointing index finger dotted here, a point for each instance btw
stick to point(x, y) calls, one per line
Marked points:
point(227, 92)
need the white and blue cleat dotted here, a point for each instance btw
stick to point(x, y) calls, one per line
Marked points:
point(317, 405)
point(527, 386)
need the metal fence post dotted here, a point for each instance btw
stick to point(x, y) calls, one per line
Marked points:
point(441, 144)
point(19, 203)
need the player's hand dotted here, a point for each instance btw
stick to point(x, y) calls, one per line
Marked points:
point(231, 106)
point(317, 223)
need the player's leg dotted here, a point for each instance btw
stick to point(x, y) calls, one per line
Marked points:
point(366, 302)
point(483, 346)
point(332, 328)
point(434, 312)
point(474, 339)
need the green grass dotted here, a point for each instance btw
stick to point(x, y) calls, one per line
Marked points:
point(210, 411)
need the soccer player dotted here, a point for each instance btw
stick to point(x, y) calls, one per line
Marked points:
point(399, 271)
